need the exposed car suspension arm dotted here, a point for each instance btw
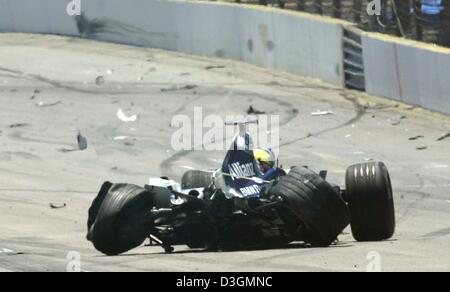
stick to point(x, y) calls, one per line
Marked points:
point(278, 201)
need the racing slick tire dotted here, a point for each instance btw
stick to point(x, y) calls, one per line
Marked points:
point(370, 200)
point(196, 179)
point(315, 204)
point(119, 218)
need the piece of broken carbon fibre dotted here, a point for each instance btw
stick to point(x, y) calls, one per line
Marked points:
point(167, 247)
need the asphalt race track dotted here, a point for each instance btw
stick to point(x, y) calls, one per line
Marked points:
point(49, 92)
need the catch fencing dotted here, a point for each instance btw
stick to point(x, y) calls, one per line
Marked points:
point(422, 20)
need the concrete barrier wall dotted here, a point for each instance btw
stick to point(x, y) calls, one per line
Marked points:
point(407, 71)
point(289, 41)
point(36, 16)
point(271, 38)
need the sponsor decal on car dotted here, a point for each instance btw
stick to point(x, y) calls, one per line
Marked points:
point(244, 170)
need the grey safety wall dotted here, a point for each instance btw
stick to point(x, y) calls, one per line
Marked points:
point(293, 42)
point(407, 71)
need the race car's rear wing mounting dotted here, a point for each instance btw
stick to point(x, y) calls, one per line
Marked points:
point(242, 122)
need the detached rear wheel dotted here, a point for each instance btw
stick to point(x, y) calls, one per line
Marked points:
point(119, 218)
point(315, 205)
point(370, 199)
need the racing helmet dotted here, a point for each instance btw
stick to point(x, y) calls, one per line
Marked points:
point(265, 157)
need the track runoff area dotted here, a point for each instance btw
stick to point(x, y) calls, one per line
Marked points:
point(76, 113)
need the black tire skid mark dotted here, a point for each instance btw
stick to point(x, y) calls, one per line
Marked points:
point(359, 109)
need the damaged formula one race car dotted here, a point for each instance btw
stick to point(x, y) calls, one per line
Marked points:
point(238, 207)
